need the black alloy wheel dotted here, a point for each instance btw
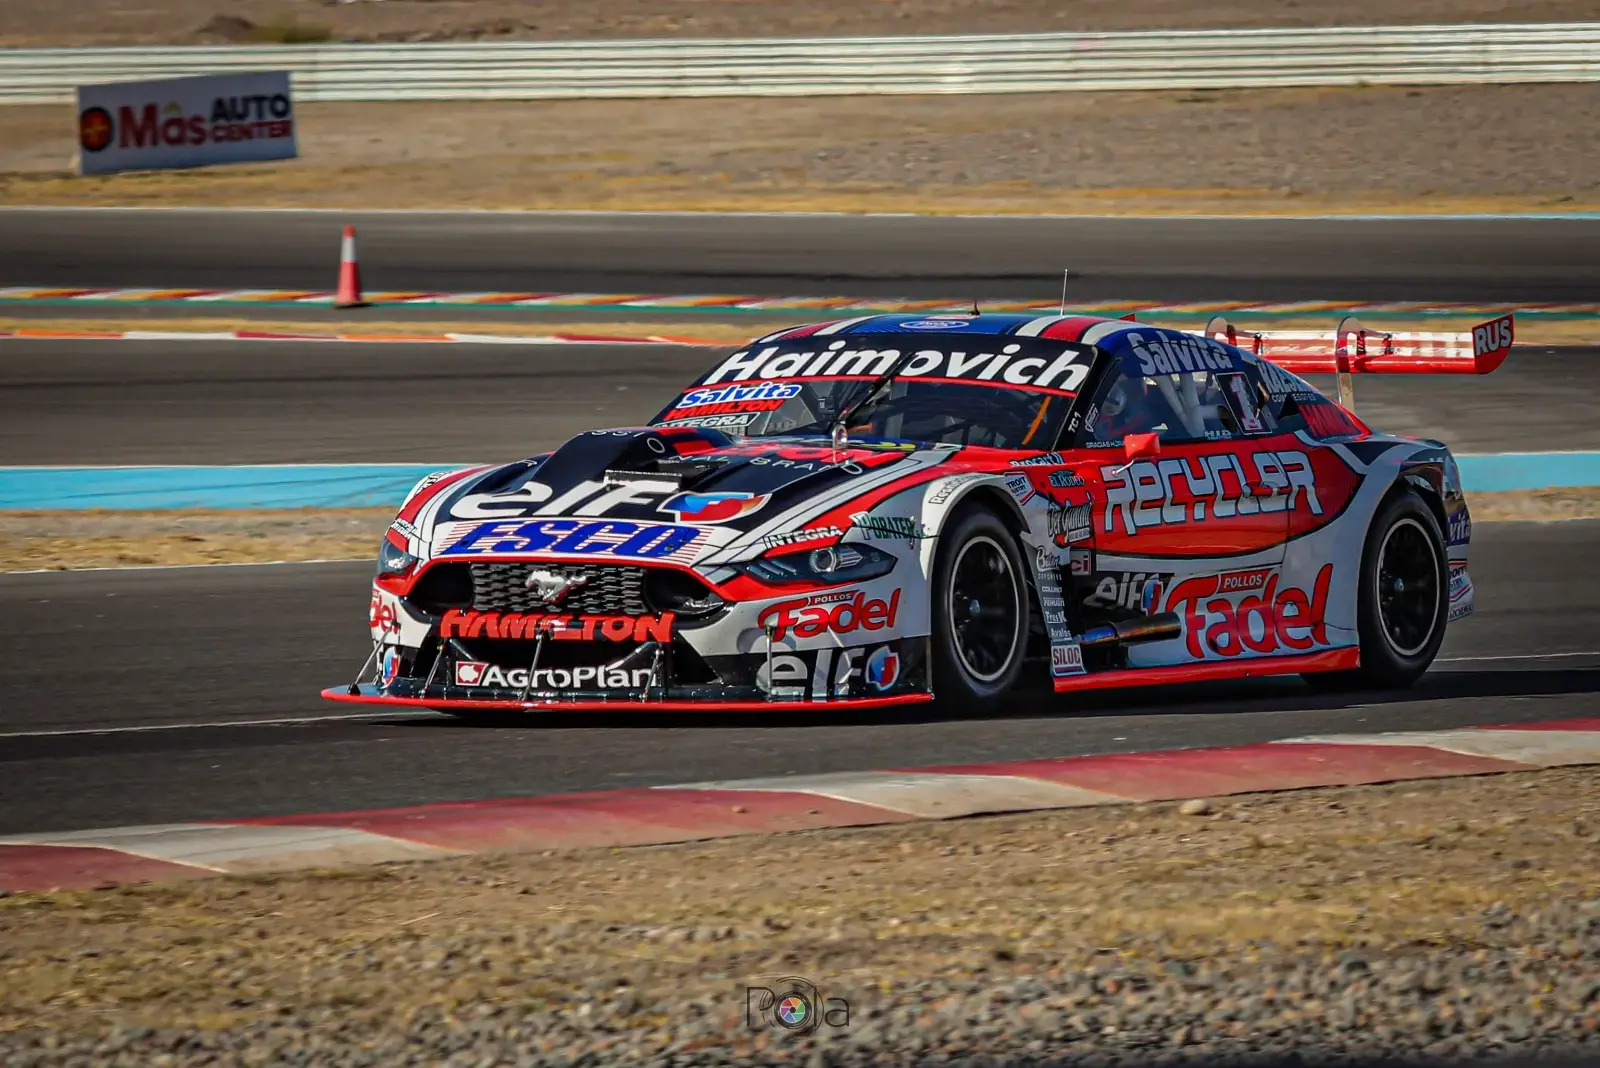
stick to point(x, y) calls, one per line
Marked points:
point(984, 607)
point(1402, 598)
point(1408, 587)
point(980, 614)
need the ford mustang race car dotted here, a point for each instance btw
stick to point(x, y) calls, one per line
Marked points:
point(890, 510)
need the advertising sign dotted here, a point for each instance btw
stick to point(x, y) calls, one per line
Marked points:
point(185, 122)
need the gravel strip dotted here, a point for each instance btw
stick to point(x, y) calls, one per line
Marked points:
point(1443, 920)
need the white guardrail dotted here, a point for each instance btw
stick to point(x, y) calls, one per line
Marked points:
point(1023, 63)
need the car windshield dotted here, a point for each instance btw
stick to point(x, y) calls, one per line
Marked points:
point(1002, 392)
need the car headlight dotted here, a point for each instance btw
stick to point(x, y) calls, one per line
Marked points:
point(833, 564)
point(393, 560)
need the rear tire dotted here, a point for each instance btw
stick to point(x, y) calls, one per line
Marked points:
point(980, 614)
point(1402, 601)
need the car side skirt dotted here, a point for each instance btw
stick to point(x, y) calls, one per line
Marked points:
point(1327, 660)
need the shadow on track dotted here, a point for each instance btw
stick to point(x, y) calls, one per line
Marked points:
point(1164, 707)
point(1037, 702)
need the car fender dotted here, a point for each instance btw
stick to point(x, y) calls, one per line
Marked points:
point(1382, 463)
point(941, 500)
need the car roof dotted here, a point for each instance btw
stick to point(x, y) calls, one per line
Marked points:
point(1117, 336)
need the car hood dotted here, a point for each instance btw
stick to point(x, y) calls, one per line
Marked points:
point(663, 475)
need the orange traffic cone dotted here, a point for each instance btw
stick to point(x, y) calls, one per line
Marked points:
point(349, 295)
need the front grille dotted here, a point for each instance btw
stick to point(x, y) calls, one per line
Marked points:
point(610, 591)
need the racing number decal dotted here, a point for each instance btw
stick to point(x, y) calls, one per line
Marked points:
point(1237, 391)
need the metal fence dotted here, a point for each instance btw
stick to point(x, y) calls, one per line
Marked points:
point(1023, 63)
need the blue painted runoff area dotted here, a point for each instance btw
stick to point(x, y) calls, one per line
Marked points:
point(361, 485)
point(264, 486)
point(1493, 472)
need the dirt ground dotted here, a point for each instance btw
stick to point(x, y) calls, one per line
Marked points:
point(94, 538)
point(1456, 914)
point(38, 23)
point(1444, 149)
point(51, 540)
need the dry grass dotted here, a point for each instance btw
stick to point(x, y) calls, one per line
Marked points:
point(97, 538)
point(1507, 148)
point(1538, 505)
point(286, 29)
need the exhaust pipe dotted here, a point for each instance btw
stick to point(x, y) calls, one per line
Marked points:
point(1126, 632)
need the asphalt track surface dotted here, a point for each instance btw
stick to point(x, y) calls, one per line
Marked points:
point(1489, 260)
point(194, 652)
point(200, 651)
point(127, 694)
point(195, 402)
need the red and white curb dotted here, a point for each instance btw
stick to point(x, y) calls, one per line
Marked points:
point(705, 810)
point(31, 334)
point(733, 302)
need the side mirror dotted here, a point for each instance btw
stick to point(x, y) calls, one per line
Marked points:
point(1140, 446)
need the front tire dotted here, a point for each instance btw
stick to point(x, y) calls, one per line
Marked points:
point(1402, 601)
point(980, 614)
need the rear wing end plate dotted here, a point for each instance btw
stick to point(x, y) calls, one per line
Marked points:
point(1354, 348)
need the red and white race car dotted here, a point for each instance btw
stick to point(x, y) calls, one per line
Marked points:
point(891, 509)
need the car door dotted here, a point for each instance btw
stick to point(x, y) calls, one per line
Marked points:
point(1191, 492)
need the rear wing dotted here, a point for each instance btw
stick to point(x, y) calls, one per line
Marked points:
point(1354, 348)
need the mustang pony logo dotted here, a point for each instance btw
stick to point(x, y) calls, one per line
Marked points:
point(552, 588)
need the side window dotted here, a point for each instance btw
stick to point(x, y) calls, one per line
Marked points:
point(1250, 402)
point(1185, 407)
point(1294, 405)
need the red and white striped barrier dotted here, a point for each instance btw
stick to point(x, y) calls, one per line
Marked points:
point(697, 811)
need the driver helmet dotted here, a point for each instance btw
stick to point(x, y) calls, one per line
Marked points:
point(1116, 400)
